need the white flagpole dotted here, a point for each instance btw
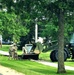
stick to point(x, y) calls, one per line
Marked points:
point(36, 32)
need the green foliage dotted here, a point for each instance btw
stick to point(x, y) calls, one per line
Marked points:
point(50, 30)
point(49, 11)
point(26, 11)
point(10, 27)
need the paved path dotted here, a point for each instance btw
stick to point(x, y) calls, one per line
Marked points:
point(4, 53)
point(54, 64)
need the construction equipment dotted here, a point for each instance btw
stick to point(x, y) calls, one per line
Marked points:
point(31, 51)
point(68, 51)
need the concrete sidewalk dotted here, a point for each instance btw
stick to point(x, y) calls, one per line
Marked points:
point(52, 64)
point(4, 53)
point(8, 71)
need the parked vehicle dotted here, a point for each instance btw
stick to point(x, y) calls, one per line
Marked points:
point(7, 42)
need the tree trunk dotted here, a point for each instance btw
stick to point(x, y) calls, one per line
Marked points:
point(61, 68)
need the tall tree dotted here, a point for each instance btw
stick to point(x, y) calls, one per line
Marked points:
point(61, 68)
point(60, 8)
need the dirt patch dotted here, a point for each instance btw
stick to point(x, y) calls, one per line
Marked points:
point(8, 71)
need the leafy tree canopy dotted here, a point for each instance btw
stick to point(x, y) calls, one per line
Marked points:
point(11, 26)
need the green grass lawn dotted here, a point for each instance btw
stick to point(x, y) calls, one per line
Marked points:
point(4, 47)
point(29, 67)
point(45, 56)
point(70, 63)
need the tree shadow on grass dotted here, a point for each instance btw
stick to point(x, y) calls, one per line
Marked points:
point(44, 71)
point(51, 72)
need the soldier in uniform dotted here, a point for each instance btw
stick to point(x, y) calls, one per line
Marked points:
point(13, 51)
